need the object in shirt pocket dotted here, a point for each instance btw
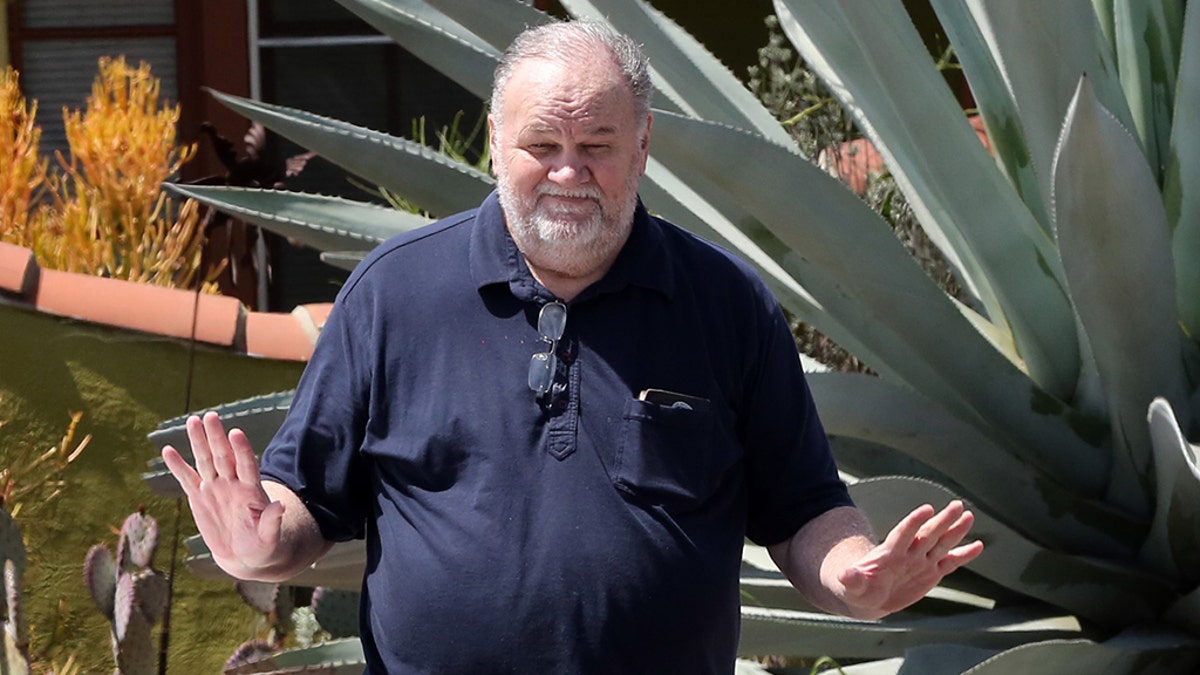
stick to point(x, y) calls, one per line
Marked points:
point(672, 452)
point(671, 399)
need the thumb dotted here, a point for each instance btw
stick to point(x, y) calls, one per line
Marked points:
point(853, 579)
point(270, 522)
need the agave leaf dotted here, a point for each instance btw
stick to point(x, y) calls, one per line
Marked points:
point(1032, 52)
point(864, 264)
point(1176, 529)
point(333, 657)
point(1181, 185)
point(873, 59)
point(1090, 588)
point(342, 568)
point(777, 631)
point(995, 102)
point(314, 220)
point(1104, 12)
point(346, 260)
point(496, 22)
point(258, 416)
point(434, 38)
point(1146, 34)
point(712, 214)
point(883, 667)
point(943, 659)
point(439, 184)
point(1140, 654)
point(861, 458)
point(868, 408)
point(688, 73)
point(1114, 243)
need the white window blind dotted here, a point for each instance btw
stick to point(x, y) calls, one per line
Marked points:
point(60, 73)
point(96, 13)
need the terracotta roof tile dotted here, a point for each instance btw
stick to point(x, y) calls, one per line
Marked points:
point(18, 270)
point(277, 334)
point(220, 320)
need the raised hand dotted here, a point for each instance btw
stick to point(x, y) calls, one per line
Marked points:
point(235, 515)
point(917, 553)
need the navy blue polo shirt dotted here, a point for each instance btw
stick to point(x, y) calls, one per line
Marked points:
point(587, 530)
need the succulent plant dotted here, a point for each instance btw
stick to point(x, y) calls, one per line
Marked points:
point(130, 593)
point(274, 601)
point(336, 614)
point(14, 648)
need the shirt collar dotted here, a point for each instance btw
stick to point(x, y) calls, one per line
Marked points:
point(643, 261)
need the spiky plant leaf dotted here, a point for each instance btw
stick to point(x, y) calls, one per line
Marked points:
point(1098, 590)
point(404, 167)
point(850, 245)
point(997, 480)
point(1176, 529)
point(434, 38)
point(767, 631)
point(1181, 185)
point(1002, 46)
point(701, 85)
point(1131, 654)
point(346, 260)
point(1147, 34)
point(1116, 250)
point(960, 196)
point(318, 221)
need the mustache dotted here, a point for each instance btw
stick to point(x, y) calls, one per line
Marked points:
point(584, 192)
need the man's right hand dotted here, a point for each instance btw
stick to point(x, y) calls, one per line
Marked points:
point(237, 518)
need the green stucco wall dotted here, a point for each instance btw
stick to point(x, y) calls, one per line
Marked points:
point(125, 383)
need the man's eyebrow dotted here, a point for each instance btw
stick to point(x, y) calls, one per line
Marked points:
point(542, 128)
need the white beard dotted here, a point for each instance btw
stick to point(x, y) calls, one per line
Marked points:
point(564, 240)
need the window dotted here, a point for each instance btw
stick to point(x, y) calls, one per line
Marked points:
point(316, 56)
point(56, 45)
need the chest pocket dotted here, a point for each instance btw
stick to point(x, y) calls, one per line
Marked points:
point(674, 457)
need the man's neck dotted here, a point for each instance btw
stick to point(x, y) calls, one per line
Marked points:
point(563, 286)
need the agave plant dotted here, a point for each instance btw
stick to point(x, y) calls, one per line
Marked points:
point(1058, 400)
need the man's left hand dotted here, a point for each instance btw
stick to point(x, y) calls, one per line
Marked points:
point(917, 553)
point(835, 563)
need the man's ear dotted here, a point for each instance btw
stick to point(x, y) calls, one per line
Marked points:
point(645, 143)
point(492, 144)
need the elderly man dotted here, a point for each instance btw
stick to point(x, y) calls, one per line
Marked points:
point(555, 418)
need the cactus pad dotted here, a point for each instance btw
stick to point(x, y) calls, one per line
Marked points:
point(139, 539)
point(100, 576)
point(150, 591)
point(246, 654)
point(131, 594)
point(336, 611)
point(260, 595)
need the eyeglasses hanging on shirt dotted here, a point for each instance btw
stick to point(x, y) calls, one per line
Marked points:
point(552, 321)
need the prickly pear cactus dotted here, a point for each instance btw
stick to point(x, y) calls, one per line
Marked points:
point(274, 602)
point(14, 649)
point(336, 611)
point(130, 593)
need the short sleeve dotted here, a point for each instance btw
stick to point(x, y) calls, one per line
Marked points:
point(791, 474)
point(316, 451)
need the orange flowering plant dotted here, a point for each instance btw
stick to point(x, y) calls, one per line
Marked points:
point(102, 211)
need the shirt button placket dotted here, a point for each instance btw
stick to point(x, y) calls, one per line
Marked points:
point(564, 402)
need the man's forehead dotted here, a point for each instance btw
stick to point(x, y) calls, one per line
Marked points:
point(588, 125)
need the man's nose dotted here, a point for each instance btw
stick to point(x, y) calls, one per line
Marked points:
point(571, 170)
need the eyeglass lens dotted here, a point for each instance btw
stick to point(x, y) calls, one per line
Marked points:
point(552, 321)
